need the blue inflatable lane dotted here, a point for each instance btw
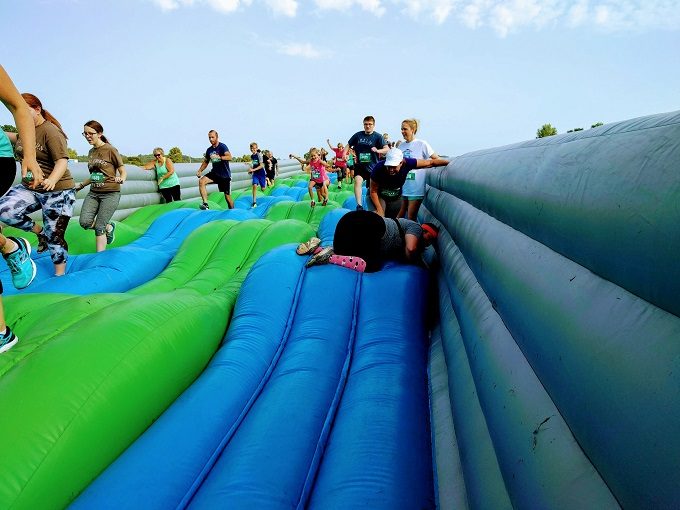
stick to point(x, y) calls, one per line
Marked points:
point(316, 399)
point(121, 269)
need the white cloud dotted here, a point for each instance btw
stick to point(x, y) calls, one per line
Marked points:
point(504, 17)
point(304, 50)
point(285, 7)
point(372, 6)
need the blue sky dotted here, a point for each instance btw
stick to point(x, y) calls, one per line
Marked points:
point(291, 73)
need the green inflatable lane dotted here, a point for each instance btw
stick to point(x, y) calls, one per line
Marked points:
point(77, 391)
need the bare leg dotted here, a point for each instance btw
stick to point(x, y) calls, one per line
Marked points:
point(230, 201)
point(358, 181)
point(413, 206)
point(100, 242)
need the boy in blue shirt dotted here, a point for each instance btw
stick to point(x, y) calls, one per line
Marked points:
point(257, 170)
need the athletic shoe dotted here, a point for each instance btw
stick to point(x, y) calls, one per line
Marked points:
point(111, 234)
point(42, 242)
point(360, 207)
point(254, 204)
point(320, 258)
point(339, 186)
point(325, 202)
point(20, 263)
point(8, 340)
point(312, 204)
point(308, 247)
point(203, 206)
point(355, 263)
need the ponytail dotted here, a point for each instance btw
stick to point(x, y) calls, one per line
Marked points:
point(34, 102)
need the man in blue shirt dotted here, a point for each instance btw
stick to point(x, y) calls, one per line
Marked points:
point(218, 154)
point(387, 178)
point(363, 143)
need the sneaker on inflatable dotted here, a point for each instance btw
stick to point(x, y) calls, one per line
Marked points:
point(20, 263)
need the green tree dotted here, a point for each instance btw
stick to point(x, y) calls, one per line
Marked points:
point(175, 155)
point(597, 124)
point(72, 154)
point(9, 128)
point(574, 130)
point(546, 130)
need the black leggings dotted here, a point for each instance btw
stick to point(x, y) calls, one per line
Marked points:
point(8, 171)
point(170, 194)
point(359, 234)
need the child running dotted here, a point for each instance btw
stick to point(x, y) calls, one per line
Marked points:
point(107, 173)
point(257, 170)
point(340, 161)
point(318, 177)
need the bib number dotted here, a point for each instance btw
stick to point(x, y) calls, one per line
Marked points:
point(364, 157)
point(316, 174)
point(390, 193)
point(411, 176)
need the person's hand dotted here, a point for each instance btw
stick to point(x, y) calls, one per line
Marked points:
point(48, 184)
point(291, 156)
point(198, 174)
point(79, 186)
point(33, 167)
point(374, 149)
point(119, 179)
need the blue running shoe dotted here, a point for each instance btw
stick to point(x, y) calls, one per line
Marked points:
point(20, 264)
point(111, 234)
point(8, 340)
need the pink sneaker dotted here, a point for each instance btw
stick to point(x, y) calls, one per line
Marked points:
point(355, 263)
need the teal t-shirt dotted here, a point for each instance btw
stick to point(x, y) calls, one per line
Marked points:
point(6, 150)
point(171, 181)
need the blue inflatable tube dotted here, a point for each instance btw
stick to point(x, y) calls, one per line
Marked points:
point(308, 403)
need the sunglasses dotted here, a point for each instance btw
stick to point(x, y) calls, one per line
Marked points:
point(157, 155)
point(87, 133)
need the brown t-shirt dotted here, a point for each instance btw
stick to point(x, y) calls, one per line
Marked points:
point(50, 147)
point(102, 163)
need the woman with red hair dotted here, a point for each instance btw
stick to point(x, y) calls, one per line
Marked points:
point(55, 194)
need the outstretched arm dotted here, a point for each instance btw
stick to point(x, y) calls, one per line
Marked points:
point(10, 97)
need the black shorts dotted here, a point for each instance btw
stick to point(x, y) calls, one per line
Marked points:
point(170, 194)
point(271, 176)
point(223, 183)
point(318, 185)
point(363, 170)
point(341, 171)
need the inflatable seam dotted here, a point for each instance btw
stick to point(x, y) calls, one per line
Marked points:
point(333, 409)
point(186, 500)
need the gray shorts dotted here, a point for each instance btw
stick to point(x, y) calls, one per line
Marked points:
point(98, 209)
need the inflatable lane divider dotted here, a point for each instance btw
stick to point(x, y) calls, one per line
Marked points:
point(582, 335)
point(186, 500)
point(482, 477)
point(449, 480)
point(515, 402)
point(335, 404)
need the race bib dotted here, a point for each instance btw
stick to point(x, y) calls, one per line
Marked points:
point(214, 157)
point(411, 176)
point(364, 157)
point(316, 174)
point(29, 177)
point(390, 193)
point(97, 179)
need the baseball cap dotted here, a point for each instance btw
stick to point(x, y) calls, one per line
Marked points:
point(394, 157)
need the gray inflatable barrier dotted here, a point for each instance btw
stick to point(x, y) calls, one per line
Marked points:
point(560, 330)
point(140, 188)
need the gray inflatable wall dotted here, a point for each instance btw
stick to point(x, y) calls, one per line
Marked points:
point(140, 188)
point(555, 369)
